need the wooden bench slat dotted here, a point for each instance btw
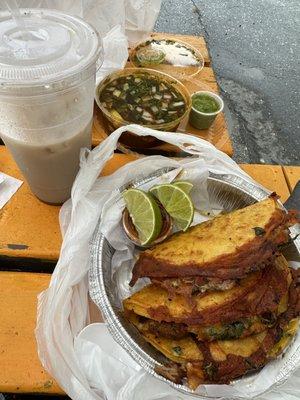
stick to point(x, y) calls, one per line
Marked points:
point(26, 220)
point(292, 175)
point(28, 227)
point(270, 176)
point(21, 370)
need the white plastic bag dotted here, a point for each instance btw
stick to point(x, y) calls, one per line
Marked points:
point(136, 17)
point(90, 365)
point(118, 22)
point(8, 187)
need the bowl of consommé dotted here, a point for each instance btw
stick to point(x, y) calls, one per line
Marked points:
point(145, 97)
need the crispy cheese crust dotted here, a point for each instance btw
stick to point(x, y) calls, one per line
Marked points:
point(227, 247)
point(222, 300)
point(259, 294)
point(219, 361)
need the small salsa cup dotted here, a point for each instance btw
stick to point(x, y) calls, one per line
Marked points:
point(201, 120)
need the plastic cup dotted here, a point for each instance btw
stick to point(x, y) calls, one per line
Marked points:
point(202, 120)
point(47, 83)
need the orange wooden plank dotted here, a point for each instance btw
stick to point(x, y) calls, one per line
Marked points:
point(28, 222)
point(270, 176)
point(117, 162)
point(292, 175)
point(28, 227)
point(21, 370)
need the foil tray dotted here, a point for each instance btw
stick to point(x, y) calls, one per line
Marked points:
point(228, 191)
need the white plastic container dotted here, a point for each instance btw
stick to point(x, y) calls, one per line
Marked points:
point(47, 84)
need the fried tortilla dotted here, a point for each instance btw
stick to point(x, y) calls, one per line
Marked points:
point(219, 361)
point(261, 294)
point(227, 247)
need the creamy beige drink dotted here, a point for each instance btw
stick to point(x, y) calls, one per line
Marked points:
point(50, 169)
point(47, 82)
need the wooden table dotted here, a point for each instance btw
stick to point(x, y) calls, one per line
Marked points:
point(204, 80)
point(30, 241)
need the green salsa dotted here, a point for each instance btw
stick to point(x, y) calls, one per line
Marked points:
point(143, 98)
point(205, 103)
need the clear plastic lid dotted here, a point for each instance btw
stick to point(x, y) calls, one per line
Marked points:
point(172, 56)
point(44, 47)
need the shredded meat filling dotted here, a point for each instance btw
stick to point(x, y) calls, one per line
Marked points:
point(263, 297)
point(193, 285)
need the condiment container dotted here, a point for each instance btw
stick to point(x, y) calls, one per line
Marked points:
point(204, 119)
point(48, 65)
point(168, 55)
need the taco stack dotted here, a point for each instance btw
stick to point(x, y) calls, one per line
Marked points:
point(222, 299)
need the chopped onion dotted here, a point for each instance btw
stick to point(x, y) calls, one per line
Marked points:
point(157, 96)
point(137, 80)
point(126, 86)
point(178, 104)
point(139, 109)
point(146, 114)
point(117, 92)
point(167, 96)
point(160, 121)
point(147, 119)
point(154, 109)
point(153, 89)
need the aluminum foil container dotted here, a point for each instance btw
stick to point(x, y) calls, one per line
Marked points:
point(225, 191)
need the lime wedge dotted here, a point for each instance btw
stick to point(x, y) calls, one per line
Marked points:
point(184, 185)
point(176, 202)
point(145, 214)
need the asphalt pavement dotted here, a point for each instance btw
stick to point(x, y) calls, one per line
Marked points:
point(255, 51)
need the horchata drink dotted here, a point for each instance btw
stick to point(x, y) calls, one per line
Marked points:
point(48, 64)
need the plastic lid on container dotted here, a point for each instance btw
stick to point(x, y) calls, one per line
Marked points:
point(45, 46)
point(172, 56)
